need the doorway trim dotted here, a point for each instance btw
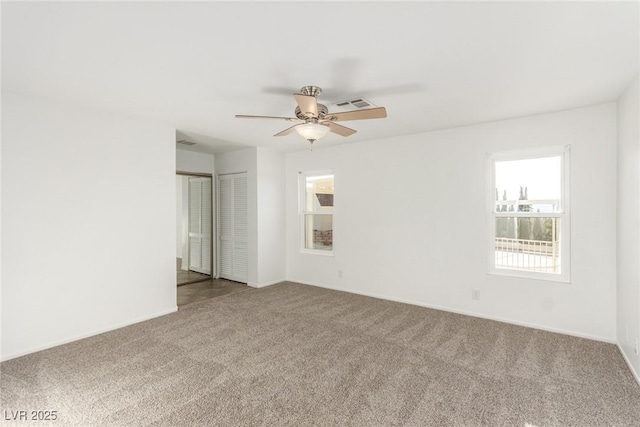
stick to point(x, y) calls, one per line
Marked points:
point(195, 174)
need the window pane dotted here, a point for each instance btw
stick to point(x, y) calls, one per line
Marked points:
point(318, 232)
point(528, 244)
point(319, 193)
point(530, 185)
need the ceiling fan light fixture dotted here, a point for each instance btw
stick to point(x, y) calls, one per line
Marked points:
point(315, 121)
point(312, 131)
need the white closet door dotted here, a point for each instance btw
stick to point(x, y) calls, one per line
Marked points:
point(200, 221)
point(232, 227)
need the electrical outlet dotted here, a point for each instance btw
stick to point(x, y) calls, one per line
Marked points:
point(340, 273)
point(475, 294)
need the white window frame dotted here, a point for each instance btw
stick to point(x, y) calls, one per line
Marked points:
point(563, 214)
point(302, 198)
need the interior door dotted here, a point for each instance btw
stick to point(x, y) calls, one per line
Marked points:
point(200, 225)
point(232, 227)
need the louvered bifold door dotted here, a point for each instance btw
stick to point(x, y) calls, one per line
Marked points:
point(232, 227)
point(200, 225)
point(225, 225)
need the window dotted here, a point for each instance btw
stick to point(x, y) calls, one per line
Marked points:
point(317, 212)
point(529, 219)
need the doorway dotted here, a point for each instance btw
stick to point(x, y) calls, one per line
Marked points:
point(194, 228)
point(195, 247)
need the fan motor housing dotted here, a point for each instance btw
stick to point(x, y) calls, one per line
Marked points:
point(322, 111)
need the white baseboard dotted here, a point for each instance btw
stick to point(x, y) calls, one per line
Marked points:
point(466, 313)
point(264, 285)
point(89, 334)
point(628, 362)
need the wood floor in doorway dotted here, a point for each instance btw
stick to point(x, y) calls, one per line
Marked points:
point(207, 289)
point(195, 287)
point(187, 276)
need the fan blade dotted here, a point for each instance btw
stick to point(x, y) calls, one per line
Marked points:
point(339, 129)
point(369, 113)
point(244, 116)
point(308, 104)
point(287, 131)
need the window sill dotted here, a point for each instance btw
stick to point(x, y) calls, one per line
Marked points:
point(545, 277)
point(316, 252)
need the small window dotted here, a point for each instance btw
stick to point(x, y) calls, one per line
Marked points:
point(529, 219)
point(317, 212)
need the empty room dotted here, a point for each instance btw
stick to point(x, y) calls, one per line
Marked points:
point(396, 213)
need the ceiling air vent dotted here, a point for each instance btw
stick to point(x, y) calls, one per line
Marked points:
point(185, 142)
point(355, 102)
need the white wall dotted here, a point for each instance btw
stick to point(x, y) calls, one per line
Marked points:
point(76, 183)
point(266, 226)
point(628, 209)
point(191, 161)
point(271, 217)
point(245, 161)
point(411, 221)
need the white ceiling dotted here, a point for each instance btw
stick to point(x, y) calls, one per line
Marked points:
point(433, 65)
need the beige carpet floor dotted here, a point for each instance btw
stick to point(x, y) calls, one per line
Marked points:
point(296, 355)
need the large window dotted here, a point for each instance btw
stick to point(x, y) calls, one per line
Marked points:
point(317, 212)
point(529, 218)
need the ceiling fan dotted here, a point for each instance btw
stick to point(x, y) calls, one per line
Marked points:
point(314, 119)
